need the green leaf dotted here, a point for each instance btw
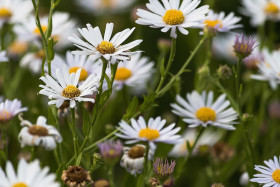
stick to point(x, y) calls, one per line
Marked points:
point(50, 49)
point(132, 108)
point(79, 159)
point(60, 169)
point(108, 82)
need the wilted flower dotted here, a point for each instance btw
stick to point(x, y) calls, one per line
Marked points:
point(169, 182)
point(110, 150)
point(244, 46)
point(162, 169)
point(76, 176)
point(154, 182)
point(224, 72)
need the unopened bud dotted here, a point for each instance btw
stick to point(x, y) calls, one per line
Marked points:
point(224, 72)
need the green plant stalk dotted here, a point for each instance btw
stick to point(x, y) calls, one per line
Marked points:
point(73, 130)
point(142, 178)
point(237, 86)
point(111, 176)
point(171, 58)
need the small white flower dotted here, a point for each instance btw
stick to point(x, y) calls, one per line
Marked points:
point(3, 57)
point(208, 138)
point(110, 49)
point(14, 11)
point(65, 89)
point(39, 134)
point(270, 174)
point(218, 22)
point(152, 132)
point(244, 179)
point(8, 109)
point(261, 10)
point(98, 7)
point(269, 68)
point(172, 15)
point(27, 175)
point(135, 74)
point(133, 158)
point(201, 110)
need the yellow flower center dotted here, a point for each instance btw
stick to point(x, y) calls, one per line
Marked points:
point(106, 48)
point(173, 17)
point(149, 134)
point(243, 48)
point(271, 8)
point(37, 30)
point(123, 74)
point(37, 130)
point(83, 75)
point(107, 3)
point(18, 47)
point(136, 152)
point(5, 13)
point(276, 176)
point(20, 184)
point(213, 23)
point(5, 116)
point(71, 91)
point(206, 114)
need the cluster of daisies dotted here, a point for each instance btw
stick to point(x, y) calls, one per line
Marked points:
point(79, 76)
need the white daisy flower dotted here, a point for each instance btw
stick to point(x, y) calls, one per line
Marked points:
point(3, 57)
point(222, 47)
point(208, 138)
point(173, 15)
point(39, 134)
point(152, 132)
point(65, 89)
point(218, 22)
point(134, 157)
point(62, 28)
point(9, 109)
point(201, 110)
point(33, 61)
point(14, 11)
point(261, 10)
point(17, 48)
point(98, 7)
point(27, 175)
point(135, 74)
point(110, 49)
point(269, 68)
point(270, 174)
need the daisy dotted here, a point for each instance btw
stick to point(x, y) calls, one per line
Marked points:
point(110, 151)
point(39, 134)
point(218, 22)
point(33, 61)
point(270, 174)
point(201, 110)
point(9, 109)
point(261, 10)
point(3, 57)
point(105, 6)
point(27, 175)
point(269, 68)
point(17, 49)
point(135, 74)
point(13, 11)
point(65, 89)
point(134, 157)
point(207, 139)
point(244, 46)
point(172, 15)
point(76, 176)
point(152, 132)
point(110, 49)
point(62, 28)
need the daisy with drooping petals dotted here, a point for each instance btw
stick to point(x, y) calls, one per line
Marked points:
point(39, 134)
point(110, 49)
point(152, 132)
point(27, 175)
point(199, 109)
point(270, 174)
point(65, 89)
point(269, 68)
point(8, 109)
point(13, 11)
point(218, 22)
point(261, 10)
point(134, 74)
point(172, 15)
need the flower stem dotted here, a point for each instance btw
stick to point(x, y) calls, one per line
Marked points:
point(237, 85)
point(72, 127)
point(111, 176)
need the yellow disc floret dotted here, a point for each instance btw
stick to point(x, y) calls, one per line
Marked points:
point(276, 176)
point(71, 91)
point(5, 13)
point(106, 48)
point(213, 23)
point(173, 17)
point(20, 184)
point(123, 74)
point(206, 114)
point(271, 8)
point(37, 30)
point(149, 134)
point(83, 75)
point(4, 116)
point(37, 130)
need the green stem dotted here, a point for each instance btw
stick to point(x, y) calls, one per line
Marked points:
point(237, 85)
point(73, 130)
point(171, 58)
point(142, 178)
point(111, 176)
